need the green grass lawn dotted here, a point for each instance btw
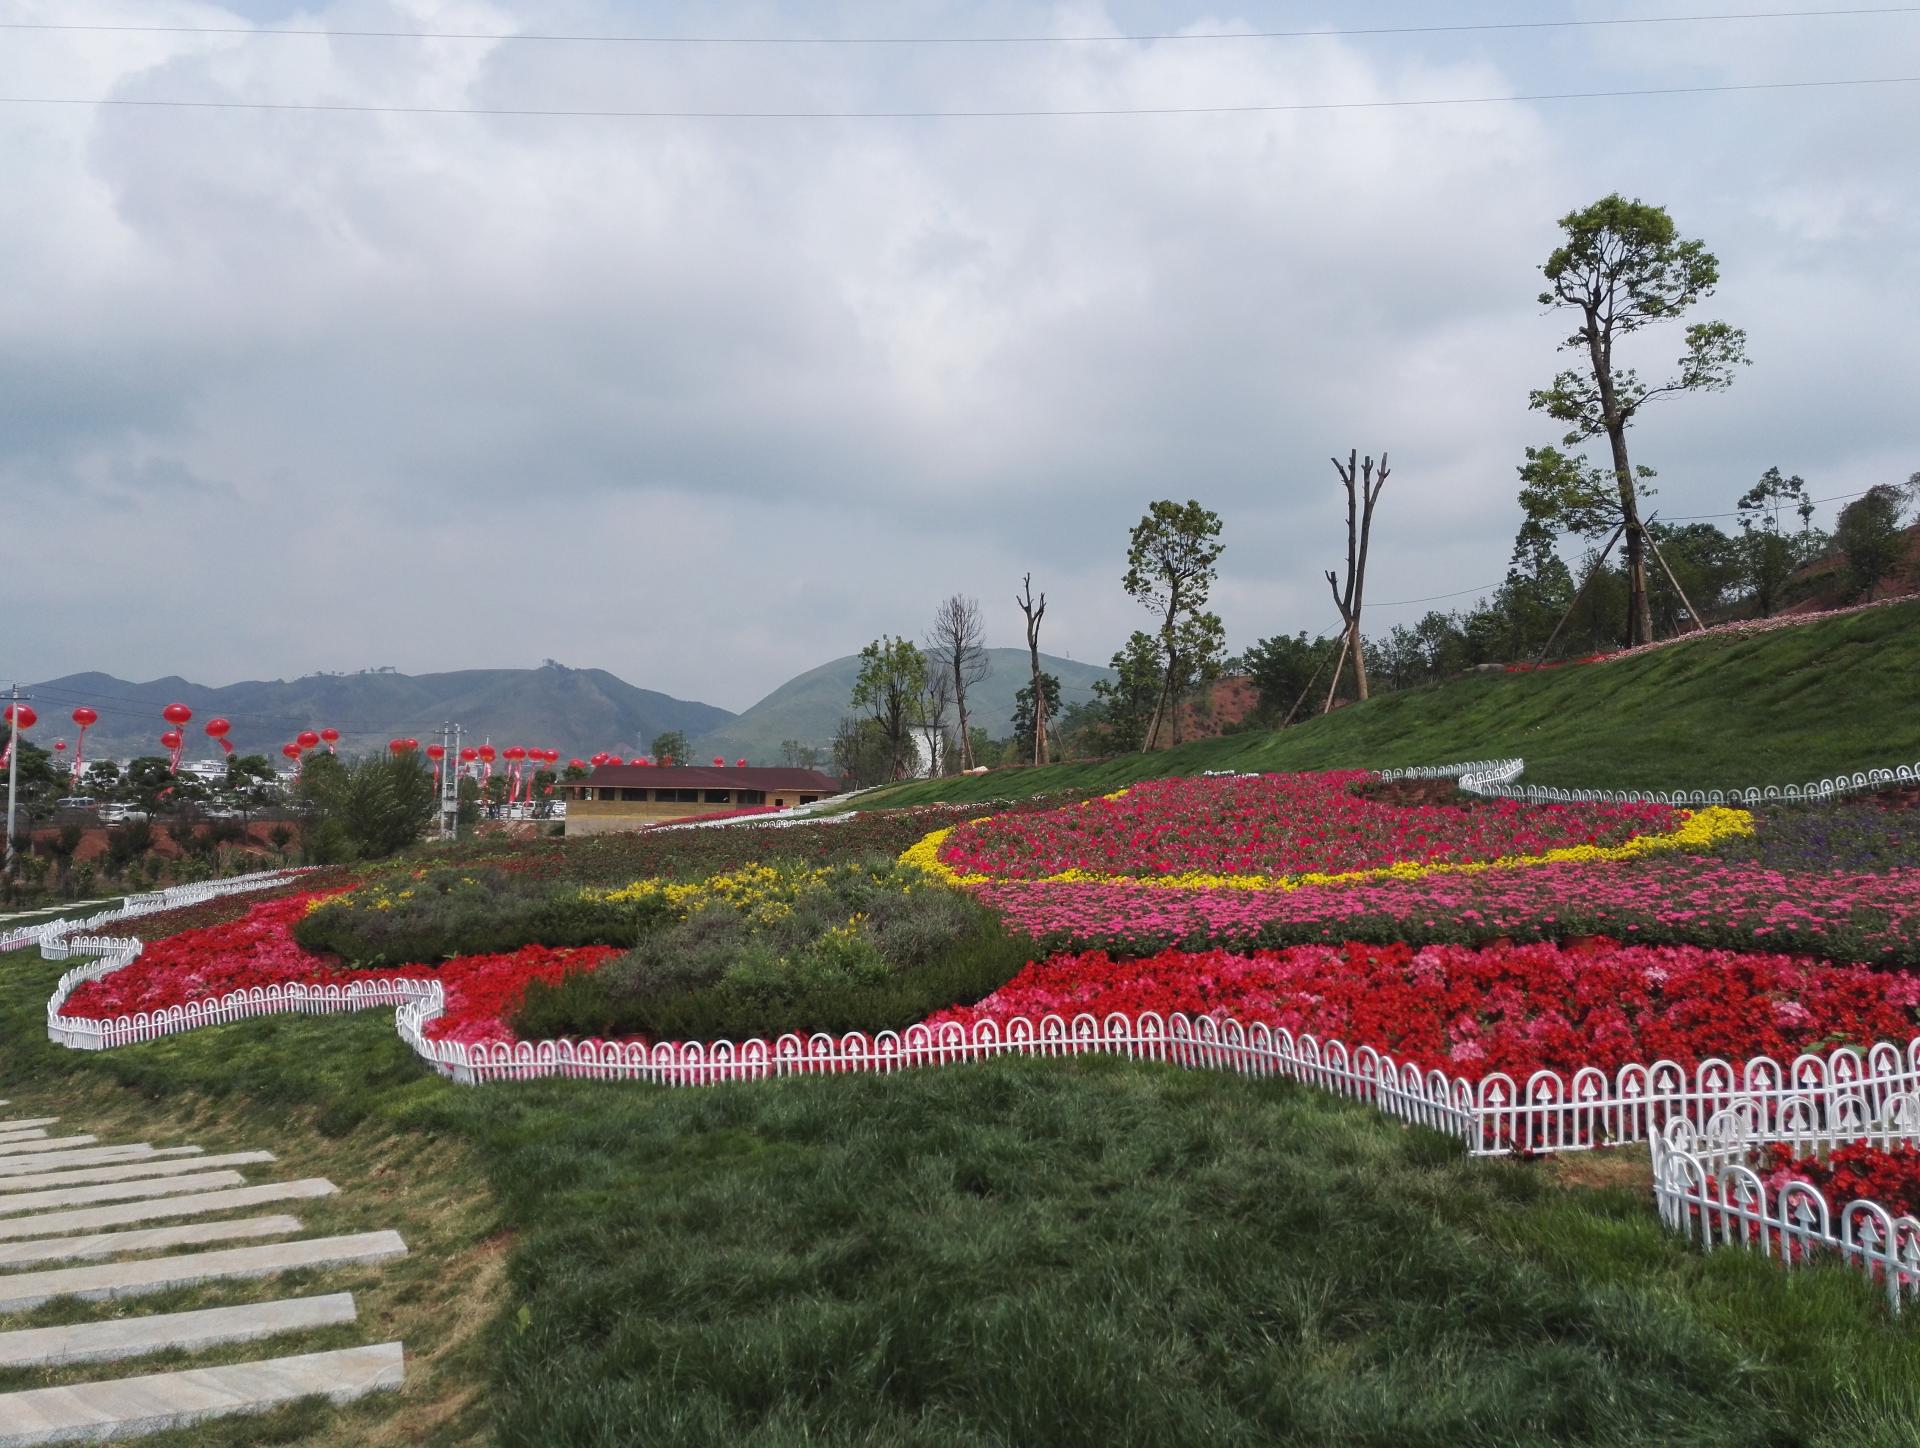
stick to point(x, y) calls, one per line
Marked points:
point(1027, 1252)
point(1785, 707)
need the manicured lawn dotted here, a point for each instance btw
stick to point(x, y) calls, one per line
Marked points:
point(1785, 707)
point(1029, 1252)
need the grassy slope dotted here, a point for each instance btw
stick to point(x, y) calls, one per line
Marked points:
point(1028, 1252)
point(1843, 694)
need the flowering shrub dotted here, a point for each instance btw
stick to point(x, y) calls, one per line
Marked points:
point(770, 949)
point(1502, 1008)
point(1674, 899)
point(1268, 831)
point(1856, 1171)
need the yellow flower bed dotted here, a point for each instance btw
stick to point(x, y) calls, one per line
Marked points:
point(1699, 830)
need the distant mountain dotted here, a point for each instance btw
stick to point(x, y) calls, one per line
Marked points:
point(577, 711)
point(810, 707)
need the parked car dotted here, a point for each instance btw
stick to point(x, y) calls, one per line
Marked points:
point(119, 814)
point(74, 802)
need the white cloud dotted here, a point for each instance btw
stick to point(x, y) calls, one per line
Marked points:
point(706, 402)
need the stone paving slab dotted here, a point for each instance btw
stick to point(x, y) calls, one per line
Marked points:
point(24, 1122)
point(143, 1239)
point(86, 1219)
point(13, 1151)
point(23, 1202)
point(125, 1337)
point(94, 1156)
point(24, 1133)
point(106, 1280)
point(131, 1171)
point(130, 1407)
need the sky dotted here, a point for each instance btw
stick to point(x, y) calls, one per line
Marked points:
point(708, 401)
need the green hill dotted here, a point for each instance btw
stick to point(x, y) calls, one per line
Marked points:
point(577, 711)
point(810, 707)
point(1783, 707)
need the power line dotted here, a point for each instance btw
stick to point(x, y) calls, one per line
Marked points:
point(1354, 32)
point(1701, 517)
point(1021, 114)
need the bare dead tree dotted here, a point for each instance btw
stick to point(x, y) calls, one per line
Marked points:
point(1035, 611)
point(954, 648)
point(1363, 485)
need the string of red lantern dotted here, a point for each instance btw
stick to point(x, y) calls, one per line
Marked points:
point(83, 718)
point(17, 717)
point(174, 741)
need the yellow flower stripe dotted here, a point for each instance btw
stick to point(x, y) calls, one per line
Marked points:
point(1699, 830)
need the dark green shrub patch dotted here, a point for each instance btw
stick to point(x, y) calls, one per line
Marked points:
point(443, 913)
point(775, 949)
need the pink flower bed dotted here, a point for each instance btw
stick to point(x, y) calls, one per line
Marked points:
point(258, 949)
point(1705, 901)
point(1278, 825)
point(1471, 1012)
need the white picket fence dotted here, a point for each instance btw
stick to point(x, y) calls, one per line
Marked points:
point(1496, 777)
point(1707, 1188)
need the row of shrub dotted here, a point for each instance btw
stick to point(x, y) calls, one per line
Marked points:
point(853, 947)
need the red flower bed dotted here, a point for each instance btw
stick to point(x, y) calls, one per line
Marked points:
point(1502, 1008)
point(1278, 825)
point(258, 949)
point(1855, 1172)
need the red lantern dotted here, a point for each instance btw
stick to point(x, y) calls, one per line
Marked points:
point(176, 714)
point(85, 717)
point(218, 729)
point(576, 764)
point(599, 759)
point(719, 762)
point(436, 751)
point(59, 746)
point(331, 736)
point(512, 752)
point(469, 754)
point(292, 751)
point(172, 739)
point(306, 738)
point(21, 716)
point(395, 746)
point(644, 760)
point(82, 717)
point(486, 753)
point(739, 764)
point(553, 756)
point(411, 743)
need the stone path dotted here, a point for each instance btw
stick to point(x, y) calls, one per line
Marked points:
point(56, 1193)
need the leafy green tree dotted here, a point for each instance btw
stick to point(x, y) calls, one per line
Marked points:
point(1023, 732)
point(1622, 267)
point(1170, 570)
point(670, 744)
point(572, 772)
point(252, 777)
point(796, 755)
point(889, 689)
point(368, 809)
point(1869, 535)
point(1127, 700)
point(861, 755)
point(1280, 669)
point(1769, 551)
point(146, 779)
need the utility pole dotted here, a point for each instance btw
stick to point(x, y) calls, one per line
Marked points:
point(450, 781)
point(15, 700)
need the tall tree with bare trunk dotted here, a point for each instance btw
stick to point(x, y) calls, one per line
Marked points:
point(954, 648)
point(1363, 484)
point(1624, 266)
point(1035, 611)
point(1170, 558)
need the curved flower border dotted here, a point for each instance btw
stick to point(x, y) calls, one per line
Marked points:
point(1701, 830)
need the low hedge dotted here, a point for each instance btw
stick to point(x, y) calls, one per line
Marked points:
point(856, 948)
point(442, 914)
